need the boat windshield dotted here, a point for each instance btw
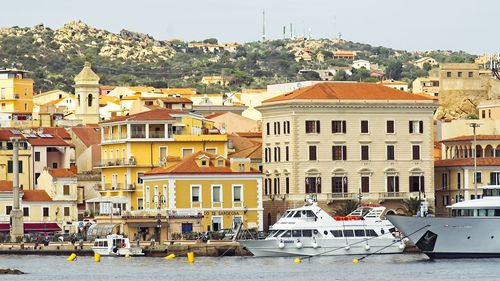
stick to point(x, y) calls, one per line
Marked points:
point(488, 192)
point(475, 213)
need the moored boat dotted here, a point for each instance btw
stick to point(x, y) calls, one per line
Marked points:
point(115, 245)
point(310, 231)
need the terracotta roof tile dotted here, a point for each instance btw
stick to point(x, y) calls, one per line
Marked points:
point(88, 135)
point(240, 143)
point(157, 114)
point(36, 196)
point(61, 173)
point(488, 161)
point(471, 138)
point(57, 131)
point(347, 91)
point(249, 134)
point(252, 152)
point(216, 114)
point(51, 141)
point(5, 185)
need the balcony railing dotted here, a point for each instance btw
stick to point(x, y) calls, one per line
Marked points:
point(118, 162)
point(157, 135)
point(341, 195)
point(394, 195)
point(118, 186)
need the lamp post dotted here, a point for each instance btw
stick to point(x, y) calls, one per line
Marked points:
point(474, 126)
point(159, 199)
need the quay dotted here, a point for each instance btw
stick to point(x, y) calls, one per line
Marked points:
point(179, 248)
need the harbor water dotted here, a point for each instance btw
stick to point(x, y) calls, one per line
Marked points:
point(383, 267)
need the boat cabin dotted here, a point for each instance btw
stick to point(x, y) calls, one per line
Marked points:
point(487, 206)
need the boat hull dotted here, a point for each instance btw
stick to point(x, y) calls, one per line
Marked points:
point(327, 247)
point(452, 237)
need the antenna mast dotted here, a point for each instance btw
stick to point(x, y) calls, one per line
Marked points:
point(263, 25)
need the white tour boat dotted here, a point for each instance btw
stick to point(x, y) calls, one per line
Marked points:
point(472, 231)
point(310, 231)
point(115, 245)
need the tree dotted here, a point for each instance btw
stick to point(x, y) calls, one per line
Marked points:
point(210, 41)
point(427, 66)
point(311, 76)
point(411, 206)
point(394, 70)
point(347, 208)
point(340, 75)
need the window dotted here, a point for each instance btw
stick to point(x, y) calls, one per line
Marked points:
point(390, 127)
point(444, 181)
point(266, 155)
point(211, 151)
point(220, 163)
point(241, 167)
point(415, 152)
point(390, 152)
point(36, 177)
point(89, 100)
point(392, 183)
point(471, 74)
point(277, 186)
point(364, 126)
point(313, 184)
point(278, 126)
point(277, 154)
point(237, 196)
point(483, 114)
point(8, 209)
point(268, 128)
point(339, 152)
point(336, 233)
point(287, 153)
point(9, 166)
point(312, 127)
point(365, 184)
point(287, 185)
point(339, 184)
point(459, 180)
point(26, 212)
point(416, 127)
point(417, 183)
point(139, 177)
point(45, 211)
point(37, 156)
point(459, 74)
point(478, 178)
point(446, 200)
point(365, 152)
point(312, 152)
point(204, 163)
point(140, 204)
point(216, 194)
point(186, 152)
point(216, 223)
point(66, 212)
point(286, 127)
point(65, 189)
point(448, 74)
point(195, 194)
point(54, 165)
point(338, 126)
point(348, 233)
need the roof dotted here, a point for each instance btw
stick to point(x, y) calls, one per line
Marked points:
point(5, 185)
point(240, 143)
point(471, 138)
point(87, 75)
point(57, 131)
point(189, 166)
point(6, 134)
point(252, 152)
point(36, 196)
point(216, 114)
point(88, 135)
point(61, 173)
point(249, 134)
point(168, 99)
point(156, 114)
point(54, 140)
point(347, 91)
point(487, 161)
point(103, 100)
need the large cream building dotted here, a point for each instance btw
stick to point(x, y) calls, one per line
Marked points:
point(343, 140)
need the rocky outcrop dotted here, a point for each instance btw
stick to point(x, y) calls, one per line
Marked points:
point(11, 271)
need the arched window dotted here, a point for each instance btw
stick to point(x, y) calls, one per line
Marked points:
point(78, 96)
point(89, 100)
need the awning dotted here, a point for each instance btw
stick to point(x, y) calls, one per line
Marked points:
point(101, 230)
point(142, 224)
point(33, 227)
point(109, 199)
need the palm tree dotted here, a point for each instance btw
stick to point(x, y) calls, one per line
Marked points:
point(347, 208)
point(412, 205)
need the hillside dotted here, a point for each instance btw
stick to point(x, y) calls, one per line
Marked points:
point(129, 58)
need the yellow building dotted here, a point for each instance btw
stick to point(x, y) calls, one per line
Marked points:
point(16, 97)
point(135, 144)
point(25, 156)
point(225, 191)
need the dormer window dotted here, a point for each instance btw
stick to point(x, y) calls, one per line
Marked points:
point(220, 163)
point(204, 163)
point(241, 167)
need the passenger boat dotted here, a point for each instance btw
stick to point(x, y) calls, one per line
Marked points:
point(115, 245)
point(310, 231)
point(472, 231)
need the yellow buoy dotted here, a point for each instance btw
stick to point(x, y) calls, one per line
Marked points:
point(127, 255)
point(297, 260)
point(71, 257)
point(97, 257)
point(190, 256)
point(355, 260)
point(170, 257)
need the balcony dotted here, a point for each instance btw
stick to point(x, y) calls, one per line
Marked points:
point(341, 196)
point(117, 162)
point(394, 195)
point(118, 186)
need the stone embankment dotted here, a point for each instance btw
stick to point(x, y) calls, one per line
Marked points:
point(209, 249)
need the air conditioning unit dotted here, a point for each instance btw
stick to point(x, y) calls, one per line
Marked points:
point(131, 186)
point(131, 160)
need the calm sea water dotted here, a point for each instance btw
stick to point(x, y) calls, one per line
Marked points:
point(386, 267)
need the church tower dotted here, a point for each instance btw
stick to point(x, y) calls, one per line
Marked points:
point(87, 95)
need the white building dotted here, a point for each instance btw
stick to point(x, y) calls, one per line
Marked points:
point(357, 64)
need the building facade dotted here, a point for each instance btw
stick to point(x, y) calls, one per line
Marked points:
point(342, 141)
point(16, 98)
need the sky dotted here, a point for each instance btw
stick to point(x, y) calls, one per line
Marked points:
point(416, 25)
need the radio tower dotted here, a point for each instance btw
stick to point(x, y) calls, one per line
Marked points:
point(263, 25)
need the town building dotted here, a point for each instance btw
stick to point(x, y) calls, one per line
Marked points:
point(342, 141)
point(398, 85)
point(425, 60)
point(16, 98)
point(426, 85)
point(216, 80)
point(231, 122)
point(87, 96)
point(357, 64)
point(348, 55)
point(135, 144)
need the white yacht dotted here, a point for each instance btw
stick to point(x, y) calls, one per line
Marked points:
point(472, 231)
point(310, 231)
point(115, 245)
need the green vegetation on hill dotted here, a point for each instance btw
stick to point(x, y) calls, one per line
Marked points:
point(54, 57)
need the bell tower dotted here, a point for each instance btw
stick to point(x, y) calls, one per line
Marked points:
point(87, 95)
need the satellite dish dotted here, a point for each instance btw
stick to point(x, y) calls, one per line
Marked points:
point(222, 131)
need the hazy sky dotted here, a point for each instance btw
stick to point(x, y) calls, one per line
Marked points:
point(402, 24)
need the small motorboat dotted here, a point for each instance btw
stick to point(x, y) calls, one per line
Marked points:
point(115, 245)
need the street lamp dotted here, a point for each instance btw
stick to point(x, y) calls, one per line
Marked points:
point(474, 126)
point(160, 201)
